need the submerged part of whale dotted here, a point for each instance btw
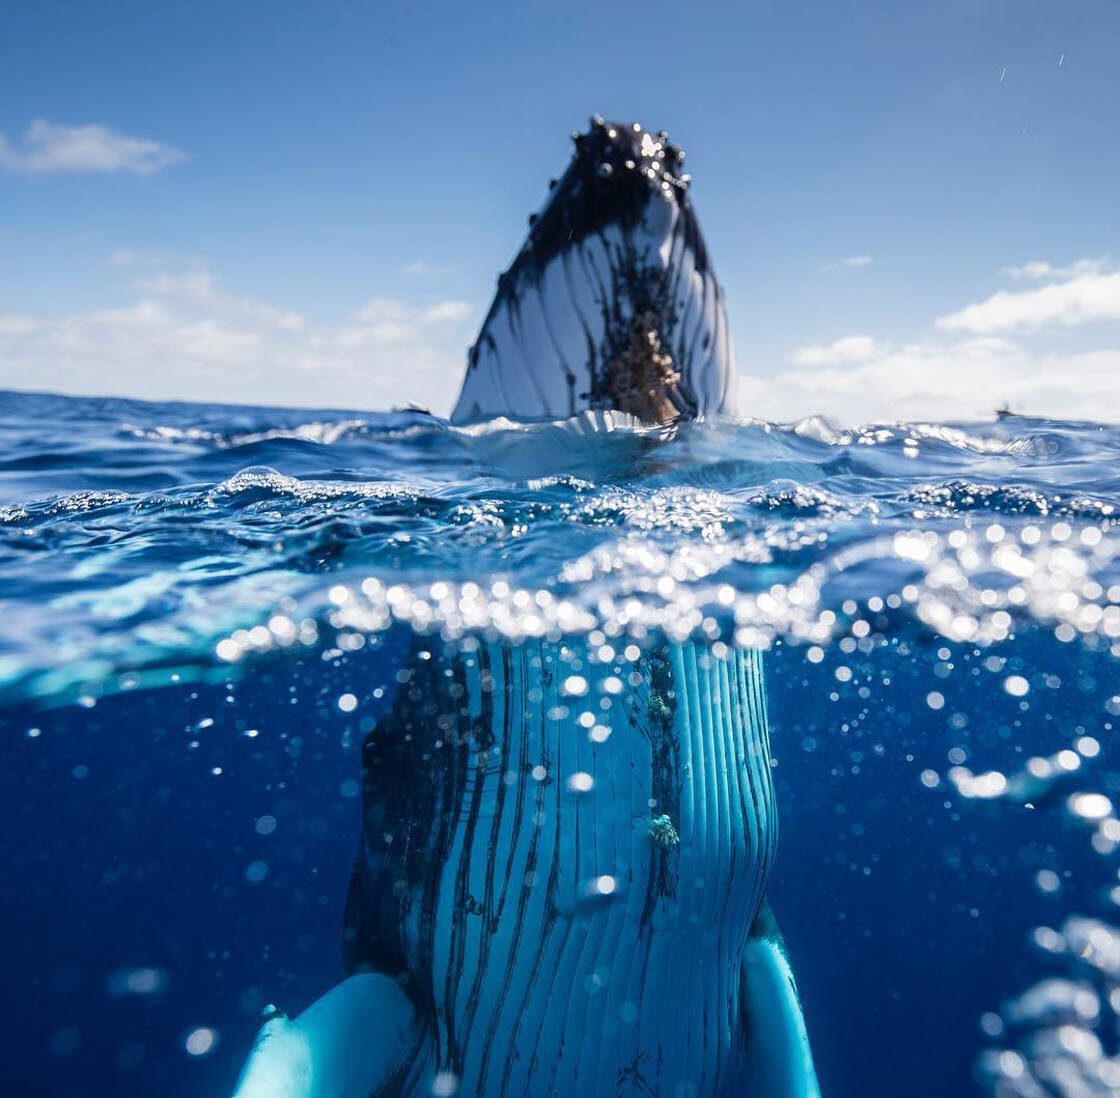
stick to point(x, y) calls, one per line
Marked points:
point(566, 889)
point(612, 302)
point(557, 896)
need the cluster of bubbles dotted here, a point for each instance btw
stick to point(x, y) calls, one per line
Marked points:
point(1055, 1035)
point(1036, 778)
point(1057, 1039)
point(965, 585)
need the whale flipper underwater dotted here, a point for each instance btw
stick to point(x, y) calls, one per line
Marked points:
point(534, 909)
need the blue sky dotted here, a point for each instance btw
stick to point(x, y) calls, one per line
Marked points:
point(308, 204)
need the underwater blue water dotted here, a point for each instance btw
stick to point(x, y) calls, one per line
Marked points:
point(203, 609)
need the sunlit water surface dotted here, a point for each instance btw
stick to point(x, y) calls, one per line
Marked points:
point(204, 609)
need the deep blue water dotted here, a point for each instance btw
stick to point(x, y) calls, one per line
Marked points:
point(187, 592)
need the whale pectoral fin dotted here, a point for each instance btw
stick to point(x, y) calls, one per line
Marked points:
point(779, 1063)
point(348, 1044)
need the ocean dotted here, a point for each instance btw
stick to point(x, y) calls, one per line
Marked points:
point(205, 610)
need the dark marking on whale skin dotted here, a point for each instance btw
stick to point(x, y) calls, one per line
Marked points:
point(585, 201)
point(475, 881)
point(661, 706)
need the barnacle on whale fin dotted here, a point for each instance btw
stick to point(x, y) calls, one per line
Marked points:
point(662, 831)
point(642, 379)
point(658, 710)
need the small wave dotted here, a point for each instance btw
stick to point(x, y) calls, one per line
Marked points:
point(262, 482)
point(962, 495)
point(322, 433)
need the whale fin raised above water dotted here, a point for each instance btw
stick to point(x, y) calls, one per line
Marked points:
point(611, 302)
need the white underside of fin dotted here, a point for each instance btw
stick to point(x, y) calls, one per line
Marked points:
point(779, 1062)
point(345, 1045)
point(547, 344)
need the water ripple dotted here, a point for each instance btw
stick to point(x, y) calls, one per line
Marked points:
point(148, 534)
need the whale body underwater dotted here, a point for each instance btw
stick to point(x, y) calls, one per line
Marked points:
point(539, 907)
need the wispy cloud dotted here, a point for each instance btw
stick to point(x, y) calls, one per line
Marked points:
point(143, 260)
point(423, 267)
point(196, 290)
point(853, 348)
point(1075, 298)
point(849, 261)
point(388, 311)
point(51, 148)
point(1037, 270)
point(184, 336)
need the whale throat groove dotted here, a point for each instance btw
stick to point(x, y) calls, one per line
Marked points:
point(514, 880)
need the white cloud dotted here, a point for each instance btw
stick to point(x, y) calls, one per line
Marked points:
point(1075, 301)
point(1036, 270)
point(152, 261)
point(943, 379)
point(184, 337)
point(390, 311)
point(49, 148)
point(852, 348)
point(445, 311)
point(971, 366)
point(196, 289)
point(423, 267)
point(849, 261)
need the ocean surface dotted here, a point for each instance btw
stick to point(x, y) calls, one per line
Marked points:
point(204, 609)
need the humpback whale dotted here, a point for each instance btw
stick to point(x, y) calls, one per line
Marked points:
point(560, 883)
